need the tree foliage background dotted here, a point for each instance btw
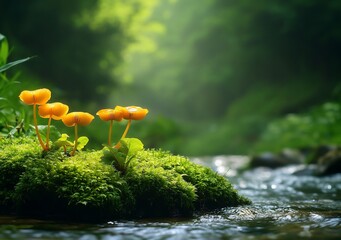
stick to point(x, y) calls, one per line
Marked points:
point(215, 74)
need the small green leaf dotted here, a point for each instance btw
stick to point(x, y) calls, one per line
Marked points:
point(131, 146)
point(81, 143)
point(107, 157)
point(120, 158)
point(64, 137)
point(62, 141)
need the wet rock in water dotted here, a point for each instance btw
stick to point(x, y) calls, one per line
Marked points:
point(330, 163)
point(316, 153)
point(306, 170)
point(265, 159)
point(271, 160)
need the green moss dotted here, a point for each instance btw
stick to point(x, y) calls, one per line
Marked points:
point(213, 191)
point(84, 188)
point(15, 154)
point(81, 187)
point(159, 192)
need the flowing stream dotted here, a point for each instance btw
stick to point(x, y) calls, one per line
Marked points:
point(288, 202)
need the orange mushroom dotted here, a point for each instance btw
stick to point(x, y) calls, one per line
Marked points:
point(134, 113)
point(109, 114)
point(131, 113)
point(39, 96)
point(36, 97)
point(52, 111)
point(75, 119)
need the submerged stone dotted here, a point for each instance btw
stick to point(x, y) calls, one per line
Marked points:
point(276, 160)
point(330, 163)
point(82, 187)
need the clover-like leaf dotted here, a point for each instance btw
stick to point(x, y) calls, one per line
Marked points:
point(62, 141)
point(81, 142)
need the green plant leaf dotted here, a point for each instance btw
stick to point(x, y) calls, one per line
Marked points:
point(81, 143)
point(121, 157)
point(131, 146)
point(108, 156)
point(11, 64)
point(63, 137)
point(3, 50)
point(62, 141)
point(114, 156)
point(54, 133)
point(17, 129)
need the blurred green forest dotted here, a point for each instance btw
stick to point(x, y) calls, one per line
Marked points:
point(218, 76)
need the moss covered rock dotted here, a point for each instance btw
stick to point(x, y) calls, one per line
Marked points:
point(82, 187)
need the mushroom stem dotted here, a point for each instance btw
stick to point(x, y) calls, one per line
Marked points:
point(76, 141)
point(36, 127)
point(118, 145)
point(126, 130)
point(110, 132)
point(48, 133)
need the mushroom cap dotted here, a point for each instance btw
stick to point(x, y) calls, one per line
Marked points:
point(53, 110)
point(134, 112)
point(39, 96)
point(108, 114)
point(77, 118)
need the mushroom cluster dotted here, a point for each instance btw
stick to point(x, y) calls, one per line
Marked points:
point(119, 113)
point(59, 111)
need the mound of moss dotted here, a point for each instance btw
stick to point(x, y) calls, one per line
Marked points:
point(82, 187)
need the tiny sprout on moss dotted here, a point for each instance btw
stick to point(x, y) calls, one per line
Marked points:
point(74, 119)
point(109, 114)
point(52, 111)
point(36, 97)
